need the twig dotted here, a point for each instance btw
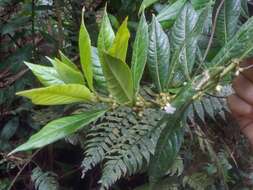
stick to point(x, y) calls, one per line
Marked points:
point(22, 169)
point(213, 31)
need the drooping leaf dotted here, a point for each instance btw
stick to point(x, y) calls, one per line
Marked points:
point(67, 73)
point(145, 4)
point(181, 33)
point(119, 79)
point(106, 36)
point(140, 51)
point(98, 74)
point(47, 75)
point(227, 23)
point(59, 129)
point(158, 61)
point(58, 94)
point(120, 43)
point(169, 13)
point(67, 61)
point(239, 47)
point(85, 53)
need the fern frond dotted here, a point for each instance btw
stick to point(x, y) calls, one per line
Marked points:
point(177, 168)
point(198, 181)
point(44, 180)
point(124, 141)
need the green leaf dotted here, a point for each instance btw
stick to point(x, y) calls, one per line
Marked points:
point(171, 137)
point(120, 43)
point(158, 61)
point(227, 23)
point(98, 74)
point(199, 4)
point(181, 33)
point(176, 72)
point(67, 61)
point(58, 129)
point(47, 75)
point(66, 73)
point(145, 4)
point(9, 129)
point(169, 13)
point(85, 53)
point(58, 94)
point(140, 51)
point(119, 79)
point(239, 47)
point(106, 36)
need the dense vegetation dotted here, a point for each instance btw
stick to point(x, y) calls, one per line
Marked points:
point(124, 94)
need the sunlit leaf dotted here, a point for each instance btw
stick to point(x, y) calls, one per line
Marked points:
point(67, 61)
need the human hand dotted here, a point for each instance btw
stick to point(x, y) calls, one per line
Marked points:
point(241, 103)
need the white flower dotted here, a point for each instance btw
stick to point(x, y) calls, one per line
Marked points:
point(169, 109)
point(218, 88)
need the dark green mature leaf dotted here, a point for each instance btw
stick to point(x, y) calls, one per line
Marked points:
point(106, 36)
point(119, 79)
point(9, 129)
point(171, 136)
point(59, 94)
point(195, 33)
point(198, 4)
point(158, 61)
point(47, 75)
point(140, 51)
point(227, 23)
point(181, 33)
point(239, 47)
point(59, 129)
point(168, 14)
point(98, 74)
point(85, 53)
point(120, 43)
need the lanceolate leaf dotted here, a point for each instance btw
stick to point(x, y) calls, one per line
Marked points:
point(85, 53)
point(120, 44)
point(59, 129)
point(198, 4)
point(169, 13)
point(181, 33)
point(66, 73)
point(140, 51)
point(158, 55)
point(119, 79)
point(67, 61)
point(106, 35)
point(46, 75)
point(145, 4)
point(227, 23)
point(239, 47)
point(58, 94)
point(98, 74)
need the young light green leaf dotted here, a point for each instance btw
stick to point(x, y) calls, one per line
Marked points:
point(59, 129)
point(158, 61)
point(169, 13)
point(46, 75)
point(119, 79)
point(120, 43)
point(140, 51)
point(181, 33)
point(85, 53)
point(59, 94)
point(98, 74)
point(67, 61)
point(106, 36)
point(66, 73)
point(228, 19)
point(145, 4)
